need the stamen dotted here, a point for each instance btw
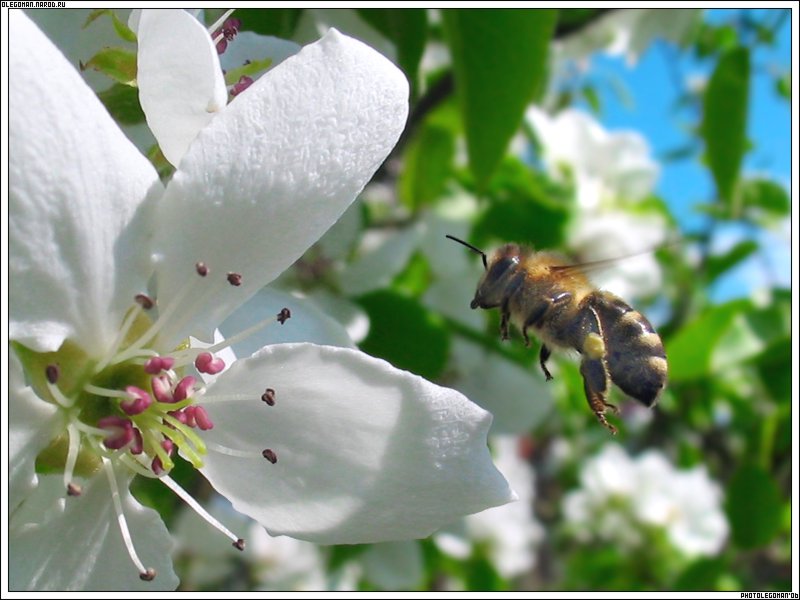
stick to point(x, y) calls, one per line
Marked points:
point(74, 490)
point(201, 268)
point(235, 279)
point(60, 398)
point(218, 23)
point(144, 574)
point(119, 432)
point(239, 544)
point(186, 497)
point(247, 332)
point(162, 389)
point(138, 401)
point(72, 459)
point(284, 315)
point(132, 315)
point(241, 85)
point(269, 396)
point(52, 372)
point(184, 388)
point(155, 364)
point(202, 419)
point(145, 301)
point(270, 455)
point(208, 363)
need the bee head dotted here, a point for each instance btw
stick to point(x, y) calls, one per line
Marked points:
point(500, 272)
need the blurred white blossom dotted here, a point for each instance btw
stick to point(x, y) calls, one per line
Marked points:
point(620, 497)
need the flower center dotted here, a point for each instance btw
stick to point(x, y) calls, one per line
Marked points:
point(134, 406)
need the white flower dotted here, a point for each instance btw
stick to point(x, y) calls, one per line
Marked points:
point(100, 381)
point(619, 496)
point(607, 168)
point(627, 32)
point(611, 171)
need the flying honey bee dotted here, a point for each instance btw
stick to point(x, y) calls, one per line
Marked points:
point(540, 291)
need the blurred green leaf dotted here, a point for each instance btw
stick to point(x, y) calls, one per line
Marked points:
point(500, 65)
point(783, 85)
point(117, 63)
point(703, 574)
point(714, 39)
point(404, 333)
point(427, 166)
point(278, 22)
point(753, 506)
point(764, 199)
point(407, 28)
point(120, 28)
point(250, 69)
point(717, 265)
point(724, 127)
point(525, 207)
point(689, 350)
point(592, 98)
point(122, 102)
point(775, 369)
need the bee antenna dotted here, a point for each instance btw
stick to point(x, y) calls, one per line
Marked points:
point(471, 247)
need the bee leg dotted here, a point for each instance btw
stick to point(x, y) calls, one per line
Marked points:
point(505, 315)
point(595, 384)
point(544, 354)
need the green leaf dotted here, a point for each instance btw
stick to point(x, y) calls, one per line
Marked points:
point(703, 574)
point(717, 265)
point(724, 127)
point(251, 69)
point(278, 22)
point(764, 199)
point(689, 351)
point(404, 333)
point(407, 28)
point(120, 28)
point(524, 207)
point(428, 165)
point(117, 63)
point(753, 506)
point(122, 102)
point(783, 85)
point(500, 65)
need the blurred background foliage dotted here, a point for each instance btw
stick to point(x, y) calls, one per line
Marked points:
point(505, 142)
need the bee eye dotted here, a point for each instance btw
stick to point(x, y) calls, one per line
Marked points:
point(500, 266)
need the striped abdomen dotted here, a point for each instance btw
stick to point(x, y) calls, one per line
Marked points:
point(635, 354)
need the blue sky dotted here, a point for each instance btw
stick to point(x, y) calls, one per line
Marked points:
point(652, 91)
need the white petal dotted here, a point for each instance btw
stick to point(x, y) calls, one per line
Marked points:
point(366, 452)
point(307, 323)
point(32, 424)
point(181, 86)
point(81, 547)
point(267, 177)
point(77, 256)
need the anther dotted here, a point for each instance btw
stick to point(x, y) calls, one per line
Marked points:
point(52, 372)
point(239, 544)
point(284, 315)
point(235, 279)
point(162, 390)
point(148, 575)
point(155, 364)
point(270, 455)
point(208, 363)
point(241, 85)
point(202, 419)
point(145, 301)
point(120, 432)
point(201, 268)
point(137, 447)
point(74, 490)
point(184, 388)
point(269, 397)
point(138, 403)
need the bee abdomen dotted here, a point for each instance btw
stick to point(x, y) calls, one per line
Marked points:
point(634, 351)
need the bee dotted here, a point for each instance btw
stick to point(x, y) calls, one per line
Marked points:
point(541, 292)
